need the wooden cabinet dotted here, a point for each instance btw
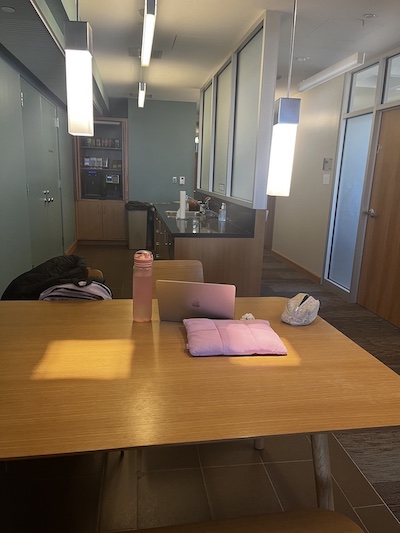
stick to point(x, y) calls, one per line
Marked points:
point(163, 241)
point(101, 169)
point(114, 221)
point(233, 255)
point(101, 221)
point(236, 261)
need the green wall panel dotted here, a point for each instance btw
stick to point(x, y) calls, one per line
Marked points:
point(161, 145)
point(15, 243)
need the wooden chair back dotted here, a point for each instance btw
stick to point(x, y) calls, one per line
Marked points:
point(177, 269)
point(299, 521)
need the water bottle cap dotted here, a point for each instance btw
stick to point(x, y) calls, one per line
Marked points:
point(143, 258)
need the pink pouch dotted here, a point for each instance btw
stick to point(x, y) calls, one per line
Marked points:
point(208, 336)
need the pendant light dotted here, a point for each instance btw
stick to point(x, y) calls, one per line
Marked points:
point(286, 119)
point(79, 78)
point(141, 93)
point(149, 24)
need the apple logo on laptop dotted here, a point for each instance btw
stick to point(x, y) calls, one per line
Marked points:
point(195, 303)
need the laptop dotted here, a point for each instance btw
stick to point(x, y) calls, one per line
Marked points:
point(189, 299)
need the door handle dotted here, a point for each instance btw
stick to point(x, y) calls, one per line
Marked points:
point(371, 213)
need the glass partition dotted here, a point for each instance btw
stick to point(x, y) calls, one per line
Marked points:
point(363, 88)
point(236, 118)
point(246, 118)
point(347, 213)
point(222, 121)
point(392, 82)
point(206, 139)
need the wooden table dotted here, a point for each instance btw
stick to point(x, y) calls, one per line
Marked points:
point(77, 377)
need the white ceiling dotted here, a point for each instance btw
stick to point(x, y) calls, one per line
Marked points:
point(194, 37)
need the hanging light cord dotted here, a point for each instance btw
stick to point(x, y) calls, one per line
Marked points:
point(293, 32)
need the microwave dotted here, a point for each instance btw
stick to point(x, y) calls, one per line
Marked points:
point(113, 178)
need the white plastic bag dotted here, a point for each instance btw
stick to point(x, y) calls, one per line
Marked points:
point(300, 310)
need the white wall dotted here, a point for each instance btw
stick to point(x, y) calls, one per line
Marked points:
point(301, 220)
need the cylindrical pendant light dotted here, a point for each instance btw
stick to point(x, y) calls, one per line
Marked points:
point(79, 80)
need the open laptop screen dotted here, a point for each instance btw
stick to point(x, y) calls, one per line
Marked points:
point(188, 299)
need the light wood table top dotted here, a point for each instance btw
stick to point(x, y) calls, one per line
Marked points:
point(82, 376)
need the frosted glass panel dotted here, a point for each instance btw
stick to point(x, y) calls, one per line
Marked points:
point(224, 96)
point(347, 214)
point(363, 88)
point(246, 118)
point(206, 139)
point(392, 84)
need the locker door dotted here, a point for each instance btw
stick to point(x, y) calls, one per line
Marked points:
point(51, 176)
point(41, 161)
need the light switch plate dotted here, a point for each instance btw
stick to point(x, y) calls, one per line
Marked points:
point(327, 164)
point(181, 180)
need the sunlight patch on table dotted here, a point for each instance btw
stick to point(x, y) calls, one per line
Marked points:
point(86, 359)
point(291, 359)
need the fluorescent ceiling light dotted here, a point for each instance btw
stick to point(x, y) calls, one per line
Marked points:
point(79, 80)
point(141, 94)
point(355, 60)
point(286, 119)
point(149, 24)
point(283, 143)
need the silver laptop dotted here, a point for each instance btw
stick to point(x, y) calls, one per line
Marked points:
point(189, 299)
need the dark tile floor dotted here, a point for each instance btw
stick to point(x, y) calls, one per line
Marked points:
point(99, 492)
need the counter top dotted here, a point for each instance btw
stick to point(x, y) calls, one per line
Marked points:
point(196, 225)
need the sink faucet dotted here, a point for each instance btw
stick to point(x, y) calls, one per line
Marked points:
point(208, 211)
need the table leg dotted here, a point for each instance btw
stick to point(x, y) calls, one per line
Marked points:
point(259, 444)
point(322, 470)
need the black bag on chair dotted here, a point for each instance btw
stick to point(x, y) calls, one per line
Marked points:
point(56, 271)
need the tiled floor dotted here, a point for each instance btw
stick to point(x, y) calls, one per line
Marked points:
point(105, 492)
point(183, 484)
point(145, 488)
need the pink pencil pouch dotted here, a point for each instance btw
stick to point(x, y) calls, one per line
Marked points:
point(208, 337)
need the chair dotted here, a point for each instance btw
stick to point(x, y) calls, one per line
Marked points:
point(298, 521)
point(177, 269)
point(95, 273)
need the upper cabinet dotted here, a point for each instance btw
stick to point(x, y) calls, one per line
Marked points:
point(102, 181)
point(102, 162)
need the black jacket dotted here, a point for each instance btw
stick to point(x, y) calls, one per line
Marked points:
point(55, 271)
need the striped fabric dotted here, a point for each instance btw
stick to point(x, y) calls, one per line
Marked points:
point(81, 291)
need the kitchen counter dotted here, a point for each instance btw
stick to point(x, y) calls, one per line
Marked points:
point(230, 252)
point(196, 225)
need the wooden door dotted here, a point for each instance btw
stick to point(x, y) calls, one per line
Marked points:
point(379, 286)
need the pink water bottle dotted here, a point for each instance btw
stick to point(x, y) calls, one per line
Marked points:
point(142, 285)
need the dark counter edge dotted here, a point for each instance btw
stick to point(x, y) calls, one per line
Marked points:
point(239, 224)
